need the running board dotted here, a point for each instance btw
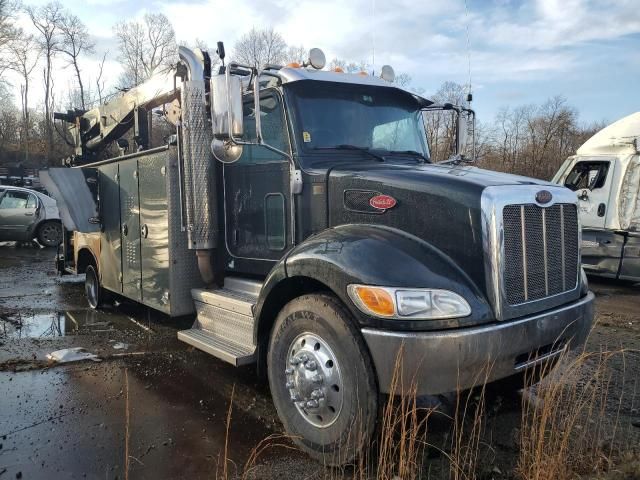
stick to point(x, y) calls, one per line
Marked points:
point(224, 326)
point(219, 347)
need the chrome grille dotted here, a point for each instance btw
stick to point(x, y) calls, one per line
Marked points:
point(540, 251)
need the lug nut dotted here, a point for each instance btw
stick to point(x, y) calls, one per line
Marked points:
point(310, 365)
point(312, 404)
point(295, 397)
point(317, 378)
point(317, 394)
point(288, 371)
point(303, 358)
point(294, 361)
point(290, 384)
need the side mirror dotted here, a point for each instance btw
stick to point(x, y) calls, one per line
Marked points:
point(227, 119)
point(465, 128)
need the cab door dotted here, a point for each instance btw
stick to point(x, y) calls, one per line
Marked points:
point(18, 213)
point(591, 180)
point(256, 188)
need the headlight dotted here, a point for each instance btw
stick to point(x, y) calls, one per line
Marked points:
point(408, 303)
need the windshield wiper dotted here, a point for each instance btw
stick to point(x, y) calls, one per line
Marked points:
point(415, 153)
point(366, 150)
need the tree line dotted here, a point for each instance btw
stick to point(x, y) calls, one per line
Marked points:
point(530, 139)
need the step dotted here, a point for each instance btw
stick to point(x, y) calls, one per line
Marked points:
point(224, 325)
point(219, 347)
point(227, 299)
point(243, 285)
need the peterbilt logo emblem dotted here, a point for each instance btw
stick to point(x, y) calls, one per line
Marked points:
point(543, 196)
point(382, 202)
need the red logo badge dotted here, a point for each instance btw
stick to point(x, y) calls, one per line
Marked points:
point(382, 202)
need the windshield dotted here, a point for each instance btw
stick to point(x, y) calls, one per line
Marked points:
point(333, 115)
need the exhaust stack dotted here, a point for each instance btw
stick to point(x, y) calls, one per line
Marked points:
point(199, 179)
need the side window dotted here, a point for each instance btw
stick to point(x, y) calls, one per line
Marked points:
point(587, 176)
point(32, 201)
point(14, 200)
point(273, 131)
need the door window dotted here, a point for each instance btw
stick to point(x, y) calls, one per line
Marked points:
point(275, 221)
point(15, 200)
point(273, 131)
point(587, 176)
point(32, 202)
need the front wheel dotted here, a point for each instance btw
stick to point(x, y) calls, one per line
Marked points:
point(321, 379)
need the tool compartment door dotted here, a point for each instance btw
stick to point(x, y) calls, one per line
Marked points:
point(130, 230)
point(154, 230)
point(110, 268)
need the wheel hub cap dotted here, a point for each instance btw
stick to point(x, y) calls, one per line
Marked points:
point(313, 379)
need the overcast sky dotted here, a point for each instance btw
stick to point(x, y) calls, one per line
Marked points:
point(520, 51)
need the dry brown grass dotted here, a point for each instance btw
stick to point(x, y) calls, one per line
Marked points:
point(569, 429)
point(570, 425)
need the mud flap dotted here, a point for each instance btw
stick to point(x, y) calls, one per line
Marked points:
point(70, 187)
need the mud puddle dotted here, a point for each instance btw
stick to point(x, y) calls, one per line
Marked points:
point(60, 324)
point(112, 421)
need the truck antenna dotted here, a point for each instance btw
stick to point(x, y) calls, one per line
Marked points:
point(469, 92)
point(373, 37)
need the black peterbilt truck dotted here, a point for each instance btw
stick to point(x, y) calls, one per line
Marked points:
point(296, 211)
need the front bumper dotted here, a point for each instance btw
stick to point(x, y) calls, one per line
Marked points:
point(446, 361)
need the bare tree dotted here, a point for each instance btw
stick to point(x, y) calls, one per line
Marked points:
point(145, 47)
point(9, 121)
point(47, 19)
point(259, 47)
point(25, 53)
point(441, 125)
point(75, 42)
point(348, 66)
point(100, 83)
point(296, 54)
point(8, 33)
point(403, 80)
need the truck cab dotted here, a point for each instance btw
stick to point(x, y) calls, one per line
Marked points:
point(299, 215)
point(605, 177)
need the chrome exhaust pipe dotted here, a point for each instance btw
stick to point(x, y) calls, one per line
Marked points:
point(199, 167)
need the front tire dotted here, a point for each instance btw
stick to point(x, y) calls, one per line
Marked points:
point(92, 288)
point(321, 379)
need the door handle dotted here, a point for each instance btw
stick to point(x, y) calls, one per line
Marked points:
point(601, 209)
point(144, 231)
point(29, 214)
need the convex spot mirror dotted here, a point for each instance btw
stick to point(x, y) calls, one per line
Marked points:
point(317, 59)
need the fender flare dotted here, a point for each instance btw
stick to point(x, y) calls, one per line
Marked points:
point(373, 255)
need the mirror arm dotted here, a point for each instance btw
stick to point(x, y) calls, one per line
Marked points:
point(256, 105)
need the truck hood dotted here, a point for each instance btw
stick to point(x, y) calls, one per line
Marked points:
point(437, 203)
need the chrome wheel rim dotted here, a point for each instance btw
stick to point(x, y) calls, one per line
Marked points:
point(50, 235)
point(313, 380)
point(91, 290)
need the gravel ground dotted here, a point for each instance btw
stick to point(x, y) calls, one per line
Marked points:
point(155, 408)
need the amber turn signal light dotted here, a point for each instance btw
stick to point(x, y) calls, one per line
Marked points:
point(375, 299)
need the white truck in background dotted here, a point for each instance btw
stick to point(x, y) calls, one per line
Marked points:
point(605, 174)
